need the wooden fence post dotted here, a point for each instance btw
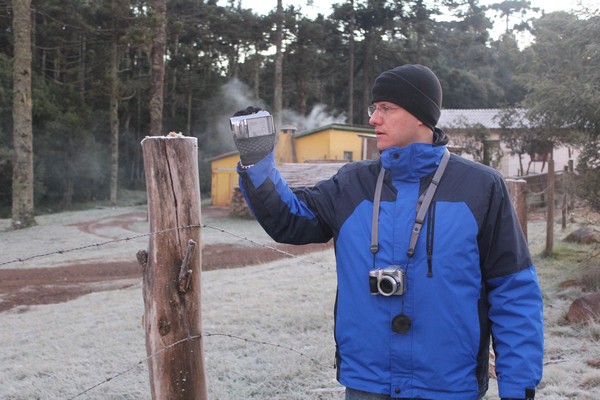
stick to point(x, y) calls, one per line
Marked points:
point(172, 267)
point(518, 195)
point(571, 184)
point(550, 209)
point(564, 207)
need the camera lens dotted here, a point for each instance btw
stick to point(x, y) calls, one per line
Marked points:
point(387, 285)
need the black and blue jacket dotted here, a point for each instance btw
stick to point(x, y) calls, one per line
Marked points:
point(471, 275)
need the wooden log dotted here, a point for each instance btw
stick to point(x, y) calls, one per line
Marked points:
point(550, 210)
point(518, 195)
point(171, 277)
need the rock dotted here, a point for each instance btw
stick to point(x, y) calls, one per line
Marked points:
point(568, 284)
point(585, 309)
point(593, 363)
point(590, 279)
point(585, 235)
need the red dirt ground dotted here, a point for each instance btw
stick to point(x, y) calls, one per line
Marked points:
point(25, 287)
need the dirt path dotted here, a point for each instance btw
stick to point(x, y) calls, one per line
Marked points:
point(26, 287)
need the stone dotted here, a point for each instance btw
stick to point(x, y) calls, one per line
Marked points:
point(585, 235)
point(568, 284)
point(593, 363)
point(585, 309)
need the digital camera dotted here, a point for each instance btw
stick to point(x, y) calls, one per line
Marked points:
point(252, 126)
point(388, 281)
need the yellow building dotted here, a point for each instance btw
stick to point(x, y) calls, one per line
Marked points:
point(342, 143)
point(335, 142)
point(331, 143)
point(224, 178)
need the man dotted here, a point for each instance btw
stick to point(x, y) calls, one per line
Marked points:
point(415, 308)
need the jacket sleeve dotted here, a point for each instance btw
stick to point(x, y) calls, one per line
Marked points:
point(514, 296)
point(295, 217)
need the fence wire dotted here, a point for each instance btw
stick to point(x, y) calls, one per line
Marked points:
point(130, 238)
point(197, 337)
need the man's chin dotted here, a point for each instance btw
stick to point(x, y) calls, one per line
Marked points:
point(381, 144)
point(381, 147)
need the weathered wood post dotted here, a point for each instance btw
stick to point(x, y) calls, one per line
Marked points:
point(550, 209)
point(518, 196)
point(571, 184)
point(568, 188)
point(172, 266)
point(565, 200)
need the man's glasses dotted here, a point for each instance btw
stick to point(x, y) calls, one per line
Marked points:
point(383, 110)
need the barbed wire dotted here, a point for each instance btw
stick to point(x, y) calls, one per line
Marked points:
point(267, 246)
point(179, 342)
point(79, 248)
point(532, 193)
point(196, 337)
point(129, 238)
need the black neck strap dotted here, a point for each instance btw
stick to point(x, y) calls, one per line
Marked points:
point(422, 206)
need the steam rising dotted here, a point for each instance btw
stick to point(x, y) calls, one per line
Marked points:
point(236, 95)
point(233, 96)
point(317, 118)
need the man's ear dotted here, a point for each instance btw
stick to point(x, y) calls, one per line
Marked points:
point(422, 125)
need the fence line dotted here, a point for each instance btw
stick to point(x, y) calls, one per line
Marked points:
point(73, 249)
point(181, 341)
point(267, 246)
point(532, 193)
point(204, 335)
point(129, 238)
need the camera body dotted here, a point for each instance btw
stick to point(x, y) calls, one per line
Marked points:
point(252, 126)
point(388, 281)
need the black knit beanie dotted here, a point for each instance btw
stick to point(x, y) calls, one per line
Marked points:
point(413, 87)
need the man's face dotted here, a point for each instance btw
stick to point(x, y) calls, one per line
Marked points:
point(394, 126)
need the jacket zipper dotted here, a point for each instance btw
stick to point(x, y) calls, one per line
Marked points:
point(430, 235)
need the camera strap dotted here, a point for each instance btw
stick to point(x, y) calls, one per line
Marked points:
point(422, 206)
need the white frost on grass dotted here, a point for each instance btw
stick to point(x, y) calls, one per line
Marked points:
point(59, 235)
point(58, 351)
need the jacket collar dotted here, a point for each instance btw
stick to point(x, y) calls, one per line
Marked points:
point(416, 160)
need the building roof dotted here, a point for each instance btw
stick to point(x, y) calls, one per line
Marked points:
point(222, 155)
point(449, 119)
point(308, 174)
point(489, 118)
point(339, 127)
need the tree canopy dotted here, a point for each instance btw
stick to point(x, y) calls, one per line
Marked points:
point(221, 57)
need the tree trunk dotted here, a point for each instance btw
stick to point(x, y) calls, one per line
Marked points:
point(114, 120)
point(350, 118)
point(173, 72)
point(82, 66)
point(550, 210)
point(172, 270)
point(370, 40)
point(157, 75)
point(257, 65)
point(518, 195)
point(189, 104)
point(278, 95)
point(22, 176)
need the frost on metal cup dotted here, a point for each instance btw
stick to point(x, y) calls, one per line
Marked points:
point(252, 126)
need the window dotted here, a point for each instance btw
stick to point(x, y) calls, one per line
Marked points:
point(348, 155)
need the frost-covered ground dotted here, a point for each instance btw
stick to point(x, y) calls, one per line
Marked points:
point(268, 328)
